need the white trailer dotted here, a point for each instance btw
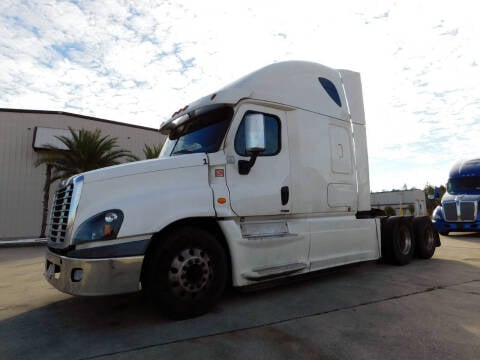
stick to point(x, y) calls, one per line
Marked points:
point(266, 178)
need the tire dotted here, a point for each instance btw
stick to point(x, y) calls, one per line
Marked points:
point(186, 274)
point(426, 237)
point(398, 242)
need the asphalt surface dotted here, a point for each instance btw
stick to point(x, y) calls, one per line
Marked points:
point(425, 310)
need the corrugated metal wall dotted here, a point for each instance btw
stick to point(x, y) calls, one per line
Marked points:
point(21, 183)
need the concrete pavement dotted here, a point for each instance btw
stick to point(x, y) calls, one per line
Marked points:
point(428, 309)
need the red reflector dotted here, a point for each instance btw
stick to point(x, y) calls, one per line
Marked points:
point(219, 173)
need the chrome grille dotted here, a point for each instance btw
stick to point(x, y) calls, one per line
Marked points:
point(467, 211)
point(450, 211)
point(59, 214)
point(461, 211)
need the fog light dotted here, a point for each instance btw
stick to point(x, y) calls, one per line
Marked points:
point(77, 275)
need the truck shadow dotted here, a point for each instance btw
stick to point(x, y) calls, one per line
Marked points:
point(82, 327)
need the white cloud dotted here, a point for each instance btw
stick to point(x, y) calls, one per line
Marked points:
point(139, 61)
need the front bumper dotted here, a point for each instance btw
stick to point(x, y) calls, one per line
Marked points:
point(98, 276)
point(443, 226)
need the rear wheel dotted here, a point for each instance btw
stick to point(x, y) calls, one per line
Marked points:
point(398, 243)
point(426, 237)
point(187, 273)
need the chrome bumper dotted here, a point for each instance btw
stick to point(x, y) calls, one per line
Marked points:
point(98, 276)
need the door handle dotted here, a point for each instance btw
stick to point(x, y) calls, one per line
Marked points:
point(285, 194)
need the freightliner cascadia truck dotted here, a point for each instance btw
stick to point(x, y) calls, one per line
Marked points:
point(458, 211)
point(265, 179)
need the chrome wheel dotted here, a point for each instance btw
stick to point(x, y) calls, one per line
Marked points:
point(186, 273)
point(429, 239)
point(405, 242)
point(190, 272)
point(426, 237)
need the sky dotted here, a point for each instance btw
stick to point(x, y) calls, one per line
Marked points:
point(139, 61)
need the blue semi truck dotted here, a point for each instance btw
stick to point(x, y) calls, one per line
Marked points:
point(458, 211)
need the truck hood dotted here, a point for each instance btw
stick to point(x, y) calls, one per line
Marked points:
point(145, 166)
point(460, 197)
point(151, 194)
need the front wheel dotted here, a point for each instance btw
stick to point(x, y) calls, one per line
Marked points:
point(187, 273)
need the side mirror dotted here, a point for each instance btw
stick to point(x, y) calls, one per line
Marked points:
point(435, 195)
point(254, 141)
point(254, 133)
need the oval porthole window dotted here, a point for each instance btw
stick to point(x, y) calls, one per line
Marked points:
point(331, 90)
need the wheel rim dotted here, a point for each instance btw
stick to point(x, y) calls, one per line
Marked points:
point(190, 272)
point(405, 242)
point(429, 239)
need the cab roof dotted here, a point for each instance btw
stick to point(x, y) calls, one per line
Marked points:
point(294, 84)
point(464, 168)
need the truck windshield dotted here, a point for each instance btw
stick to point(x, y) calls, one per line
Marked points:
point(470, 184)
point(203, 133)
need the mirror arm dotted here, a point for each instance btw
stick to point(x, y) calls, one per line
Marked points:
point(244, 166)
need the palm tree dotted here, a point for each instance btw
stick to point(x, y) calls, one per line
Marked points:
point(85, 150)
point(152, 152)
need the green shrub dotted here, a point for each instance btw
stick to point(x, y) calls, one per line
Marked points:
point(389, 211)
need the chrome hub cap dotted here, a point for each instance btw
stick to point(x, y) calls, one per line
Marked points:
point(190, 272)
point(429, 239)
point(405, 242)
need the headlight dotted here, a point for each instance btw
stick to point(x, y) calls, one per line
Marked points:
point(437, 213)
point(103, 226)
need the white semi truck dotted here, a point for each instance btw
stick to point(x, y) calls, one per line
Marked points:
point(266, 178)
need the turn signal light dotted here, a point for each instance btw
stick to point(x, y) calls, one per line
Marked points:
point(107, 229)
point(221, 200)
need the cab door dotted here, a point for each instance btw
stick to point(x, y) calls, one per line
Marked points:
point(265, 190)
point(270, 242)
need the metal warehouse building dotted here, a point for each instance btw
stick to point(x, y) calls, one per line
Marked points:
point(23, 135)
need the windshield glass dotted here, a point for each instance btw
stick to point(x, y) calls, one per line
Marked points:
point(204, 133)
point(470, 184)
